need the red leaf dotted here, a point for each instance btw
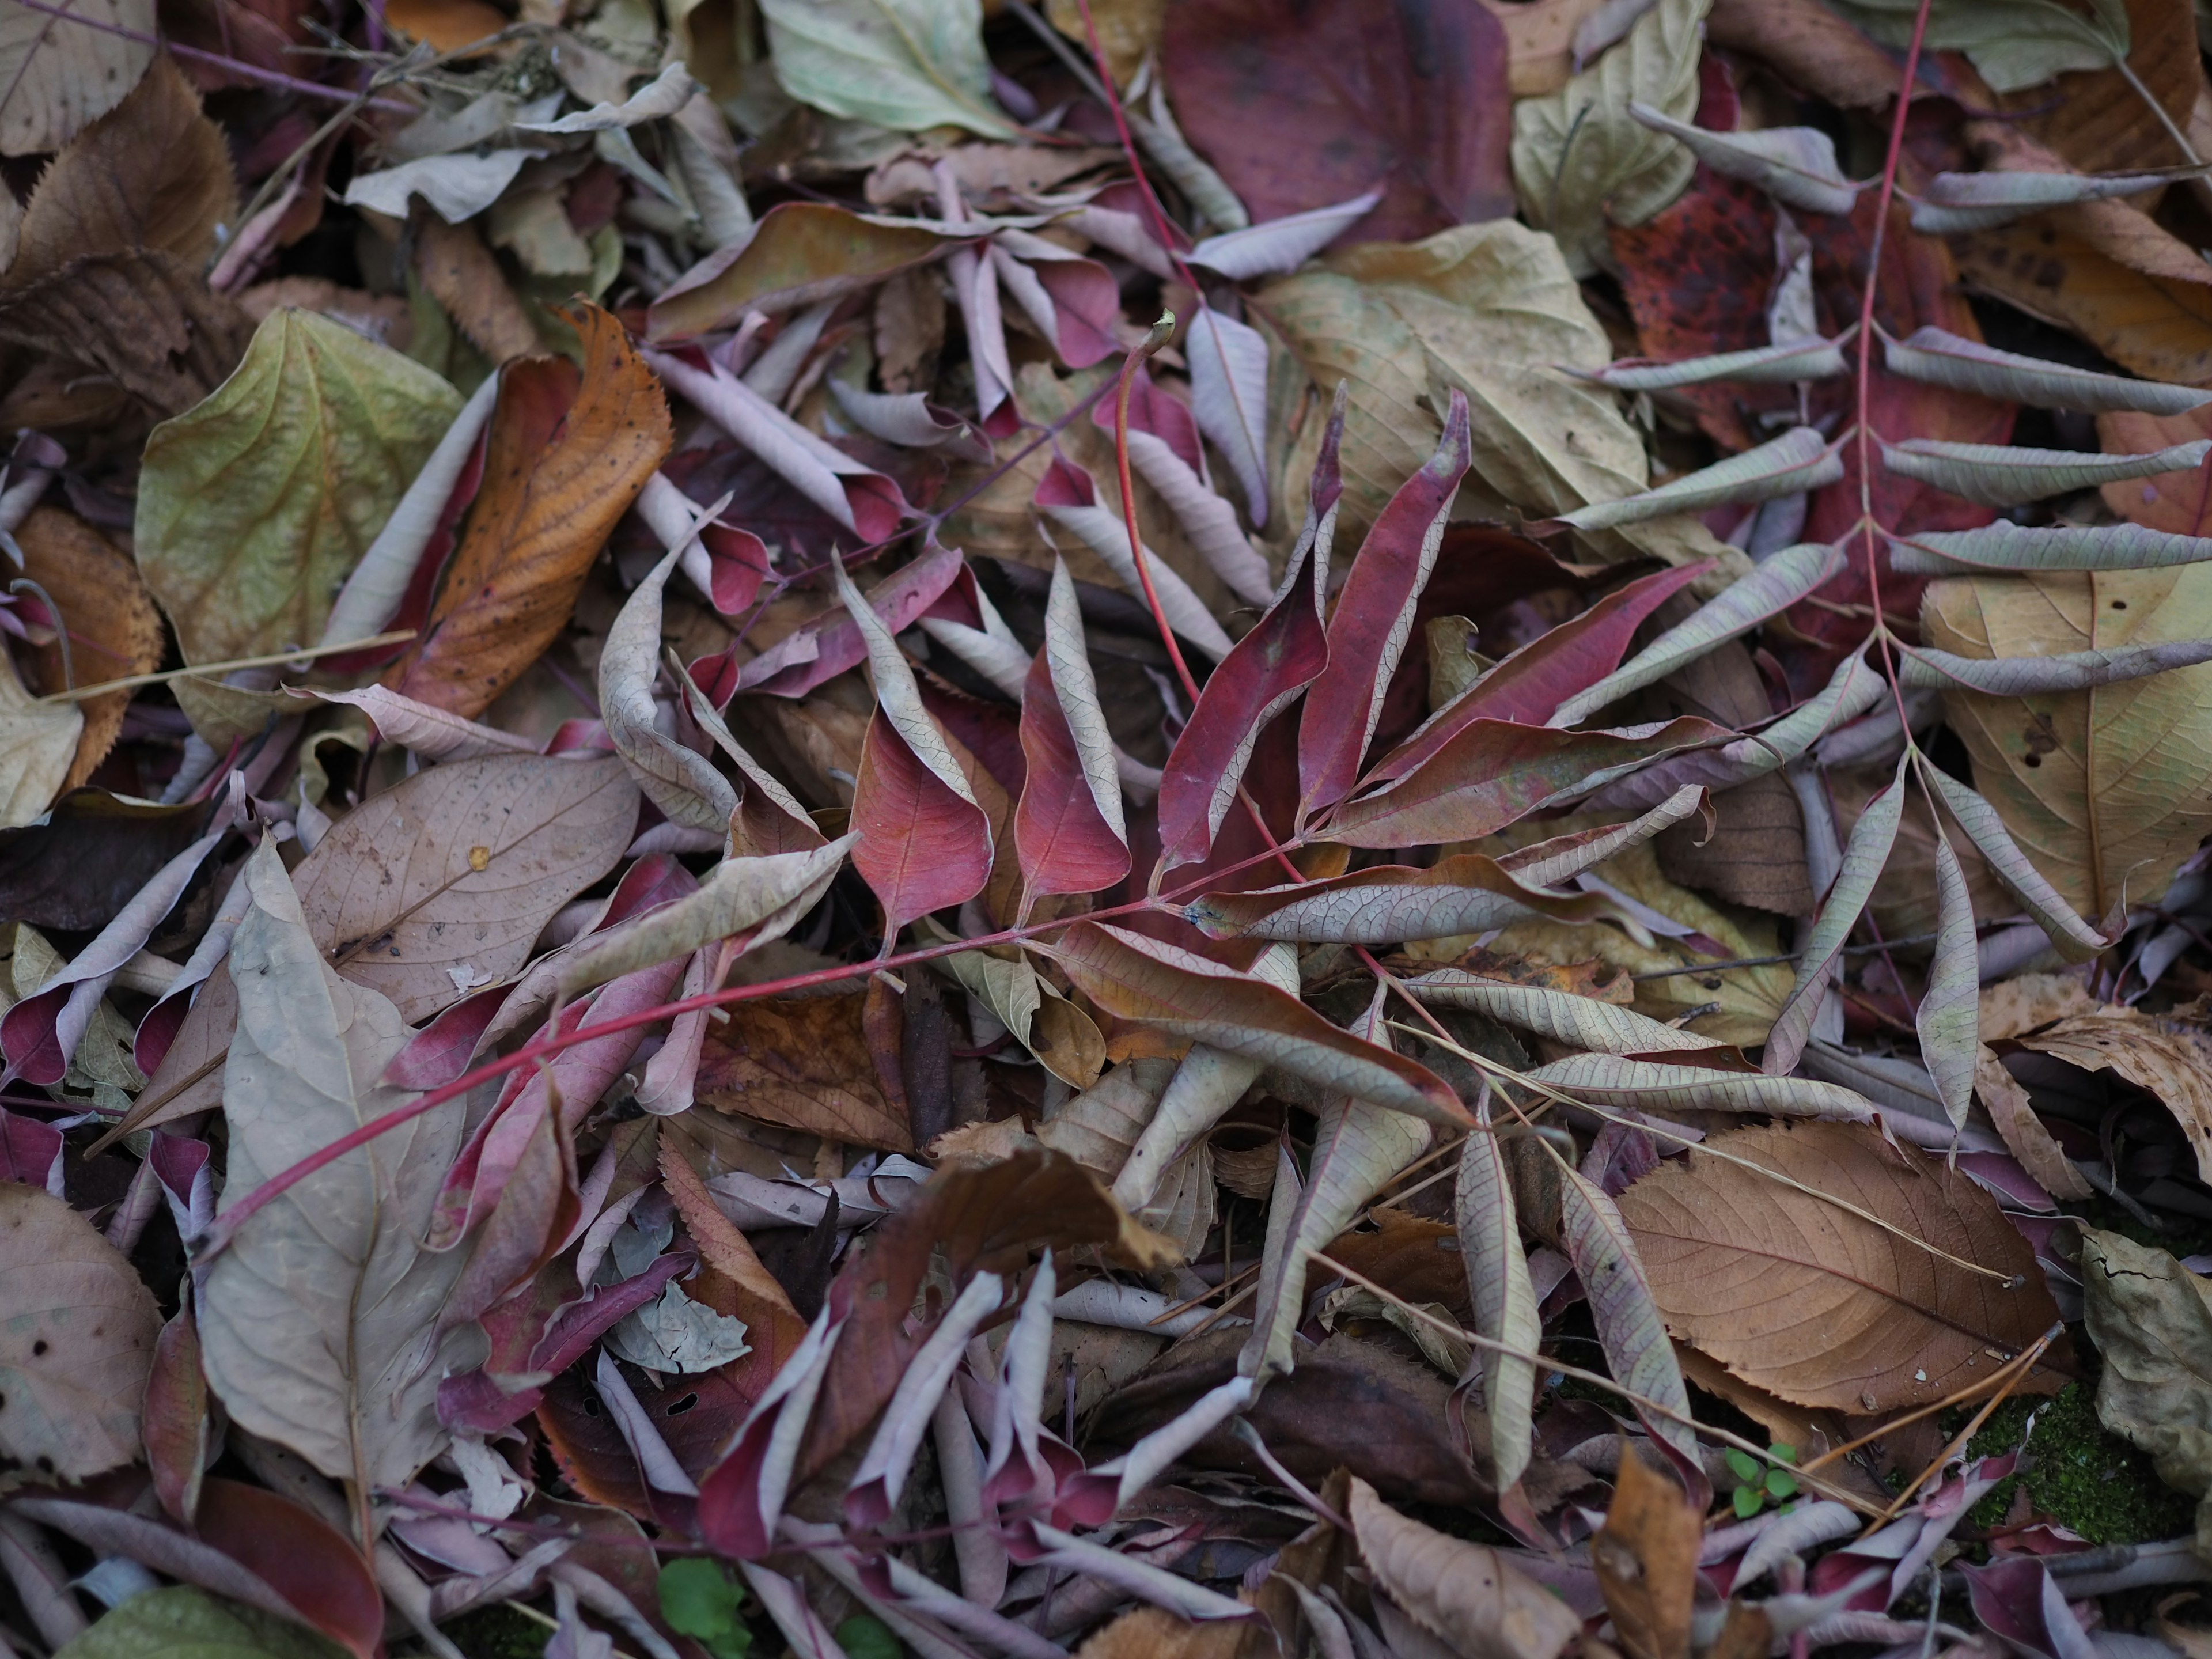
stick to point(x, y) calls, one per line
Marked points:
point(1300, 105)
point(299, 1555)
point(1493, 772)
point(1285, 652)
point(922, 845)
point(831, 643)
point(1551, 668)
point(1373, 619)
point(1065, 843)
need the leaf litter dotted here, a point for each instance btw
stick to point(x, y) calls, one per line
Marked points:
point(1210, 829)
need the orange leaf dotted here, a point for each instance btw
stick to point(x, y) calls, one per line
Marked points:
point(1646, 1558)
point(567, 457)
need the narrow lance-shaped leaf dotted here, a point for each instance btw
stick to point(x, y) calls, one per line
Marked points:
point(1548, 863)
point(2026, 676)
point(2074, 938)
point(1766, 365)
point(1800, 459)
point(1495, 773)
point(1280, 246)
point(1578, 1021)
point(1996, 476)
point(1948, 1018)
point(1853, 688)
point(678, 779)
point(1864, 855)
point(1068, 497)
point(1773, 586)
point(1208, 1082)
point(1373, 620)
point(1954, 204)
point(1653, 1086)
point(1358, 1147)
point(1942, 358)
point(1797, 165)
point(768, 819)
point(1465, 894)
point(876, 1484)
point(1163, 447)
point(924, 843)
point(1229, 396)
point(1068, 829)
point(1630, 1330)
point(825, 648)
point(1529, 684)
point(2002, 546)
point(1501, 1295)
point(1133, 977)
point(1257, 680)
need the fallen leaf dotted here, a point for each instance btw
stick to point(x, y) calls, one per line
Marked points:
point(1300, 108)
point(906, 65)
point(1808, 1301)
point(72, 75)
point(2155, 326)
point(144, 321)
point(181, 1619)
point(2151, 1319)
point(568, 456)
point(802, 253)
point(464, 278)
point(77, 1332)
point(1465, 1595)
point(113, 630)
point(802, 1062)
point(38, 744)
point(1646, 1556)
point(253, 507)
point(2102, 789)
point(319, 1322)
point(2170, 1058)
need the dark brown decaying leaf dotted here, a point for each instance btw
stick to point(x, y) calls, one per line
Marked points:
point(803, 1062)
point(570, 452)
point(142, 317)
point(1467, 1596)
point(1813, 1304)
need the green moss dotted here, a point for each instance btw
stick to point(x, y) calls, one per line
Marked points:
point(498, 1632)
point(2086, 1477)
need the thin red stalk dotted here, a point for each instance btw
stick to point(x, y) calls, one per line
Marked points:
point(1138, 353)
point(1129, 142)
point(271, 77)
point(1865, 388)
point(227, 1223)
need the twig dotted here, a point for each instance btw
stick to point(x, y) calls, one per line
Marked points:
point(2025, 1361)
point(201, 670)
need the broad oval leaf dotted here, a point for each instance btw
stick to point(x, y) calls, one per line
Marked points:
point(1948, 1019)
point(1864, 856)
point(1465, 894)
point(1996, 476)
point(799, 254)
point(905, 64)
point(1373, 620)
point(1792, 361)
point(1942, 358)
point(1580, 1022)
point(1501, 1294)
point(1807, 1301)
point(1662, 1086)
point(1954, 204)
point(254, 506)
point(1800, 460)
point(1494, 773)
point(318, 1323)
point(1461, 1593)
point(454, 870)
point(1797, 165)
point(77, 1330)
point(1068, 828)
point(2002, 546)
point(1133, 977)
point(2024, 677)
point(1773, 586)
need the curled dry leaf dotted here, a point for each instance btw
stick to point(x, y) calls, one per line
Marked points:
point(1802, 1297)
point(1463, 1593)
point(2170, 1058)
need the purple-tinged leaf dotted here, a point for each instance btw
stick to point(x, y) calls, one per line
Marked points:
point(1228, 396)
point(2028, 677)
point(2072, 939)
point(1942, 358)
point(2002, 546)
point(1799, 459)
point(825, 648)
point(1067, 496)
point(1995, 475)
point(1280, 246)
point(1068, 828)
point(1465, 894)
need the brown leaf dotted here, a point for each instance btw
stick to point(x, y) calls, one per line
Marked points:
point(2101, 123)
point(114, 629)
point(1468, 1595)
point(2172, 1059)
point(2025, 1137)
point(567, 457)
point(1813, 47)
point(2157, 328)
point(153, 173)
point(2020, 1004)
point(144, 319)
point(1646, 1556)
point(1155, 1633)
point(77, 1331)
point(464, 276)
point(803, 1062)
point(1811, 1431)
point(1814, 1304)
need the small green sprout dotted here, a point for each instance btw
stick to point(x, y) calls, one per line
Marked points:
point(1760, 1483)
point(699, 1599)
